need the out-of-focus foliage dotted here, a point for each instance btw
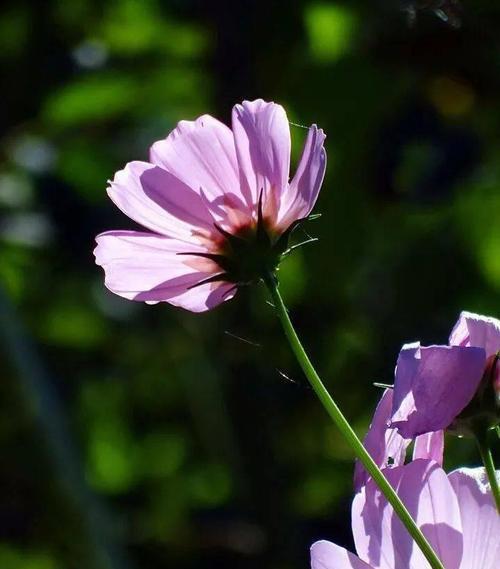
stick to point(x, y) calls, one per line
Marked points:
point(143, 436)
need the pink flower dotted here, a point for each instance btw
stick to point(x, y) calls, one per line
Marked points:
point(434, 384)
point(455, 512)
point(388, 448)
point(218, 207)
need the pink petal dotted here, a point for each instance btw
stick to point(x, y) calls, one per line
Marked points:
point(299, 199)
point(327, 555)
point(430, 447)
point(201, 153)
point(477, 331)
point(433, 385)
point(480, 520)
point(382, 540)
point(147, 267)
point(159, 201)
point(383, 443)
point(204, 297)
point(262, 139)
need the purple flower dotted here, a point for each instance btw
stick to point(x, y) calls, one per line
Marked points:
point(434, 384)
point(388, 448)
point(456, 513)
point(217, 204)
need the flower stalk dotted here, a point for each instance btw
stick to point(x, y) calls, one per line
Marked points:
point(487, 458)
point(345, 428)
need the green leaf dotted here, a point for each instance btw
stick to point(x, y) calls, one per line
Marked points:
point(92, 99)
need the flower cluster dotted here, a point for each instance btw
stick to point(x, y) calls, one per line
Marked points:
point(453, 387)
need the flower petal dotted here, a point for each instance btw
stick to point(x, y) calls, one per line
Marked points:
point(430, 447)
point(299, 199)
point(204, 297)
point(327, 555)
point(384, 542)
point(201, 153)
point(147, 267)
point(433, 385)
point(262, 139)
point(159, 201)
point(477, 331)
point(384, 444)
point(480, 520)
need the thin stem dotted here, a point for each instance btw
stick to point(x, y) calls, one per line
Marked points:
point(346, 429)
point(489, 465)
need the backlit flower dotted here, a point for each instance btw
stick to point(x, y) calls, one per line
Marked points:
point(388, 448)
point(218, 207)
point(435, 384)
point(455, 512)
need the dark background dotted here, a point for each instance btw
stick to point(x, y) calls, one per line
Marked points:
point(137, 436)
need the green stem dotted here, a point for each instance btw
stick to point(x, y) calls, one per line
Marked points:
point(489, 465)
point(346, 429)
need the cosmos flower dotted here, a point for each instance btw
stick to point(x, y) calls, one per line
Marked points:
point(439, 387)
point(455, 512)
point(217, 205)
point(388, 448)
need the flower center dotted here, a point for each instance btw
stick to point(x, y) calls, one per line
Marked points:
point(249, 253)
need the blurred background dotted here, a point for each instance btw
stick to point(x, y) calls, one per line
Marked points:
point(137, 436)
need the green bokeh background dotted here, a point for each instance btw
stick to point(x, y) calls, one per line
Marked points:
point(137, 436)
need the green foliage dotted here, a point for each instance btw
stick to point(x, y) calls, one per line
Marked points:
point(331, 28)
point(14, 30)
point(162, 454)
point(481, 232)
point(111, 468)
point(132, 27)
point(10, 558)
point(91, 99)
